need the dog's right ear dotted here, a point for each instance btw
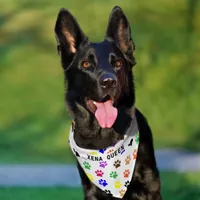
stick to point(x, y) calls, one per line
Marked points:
point(69, 36)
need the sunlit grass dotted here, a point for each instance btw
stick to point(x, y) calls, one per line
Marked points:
point(174, 186)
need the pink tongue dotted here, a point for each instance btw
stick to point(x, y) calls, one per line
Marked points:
point(106, 114)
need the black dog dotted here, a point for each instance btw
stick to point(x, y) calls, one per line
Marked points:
point(100, 96)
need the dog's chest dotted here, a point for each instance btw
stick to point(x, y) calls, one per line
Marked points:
point(110, 169)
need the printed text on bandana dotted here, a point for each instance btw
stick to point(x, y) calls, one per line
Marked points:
point(109, 156)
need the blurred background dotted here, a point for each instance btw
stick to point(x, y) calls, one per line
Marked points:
point(34, 124)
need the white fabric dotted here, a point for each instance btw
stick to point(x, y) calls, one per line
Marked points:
point(110, 169)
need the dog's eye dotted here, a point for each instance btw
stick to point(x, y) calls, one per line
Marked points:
point(118, 63)
point(85, 64)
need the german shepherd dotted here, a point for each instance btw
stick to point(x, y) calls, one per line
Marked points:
point(100, 96)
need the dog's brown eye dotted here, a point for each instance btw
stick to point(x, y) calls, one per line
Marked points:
point(85, 64)
point(118, 64)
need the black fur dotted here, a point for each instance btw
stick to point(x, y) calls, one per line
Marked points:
point(83, 84)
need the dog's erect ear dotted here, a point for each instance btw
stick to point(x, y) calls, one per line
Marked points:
point(119, 31)
point(68, 34)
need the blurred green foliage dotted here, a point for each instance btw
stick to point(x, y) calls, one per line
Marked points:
point(33, 121)
point(174, 186)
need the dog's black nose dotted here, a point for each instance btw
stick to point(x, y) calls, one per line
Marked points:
point(108, 81)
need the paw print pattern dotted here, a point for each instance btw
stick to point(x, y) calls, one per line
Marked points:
point(90, 176)
point(127, 160)
point(122, 192)
point(126, 184)
point(110, 151)
point(117, 163)
point(122, 151)
point(130, 143)
point(87, 165)
point(113, 175)
point(117, 184)
point(108, 192)
point(93, 153)
point(102, 151)
point(103, 182)
point(76, 153)
point(137, 138)
point(99, 173)
point(134, 154)
point(103, 164)
point(126, 173)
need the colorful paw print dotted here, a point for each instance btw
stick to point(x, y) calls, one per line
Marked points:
point(99, 173)
point(103, 164)
point(87, 165)
point(93, 153)
point(137, 138)
point(134, 154)
point(122, 151)
point(126, 173)
point(113, 175)
point(90, 176)
point(103, 182)
point(126, 184)
point(102, 151)
point(117, 184)
point(127, 160)
point(110, 151)
point(117, 163)
point(122, 193)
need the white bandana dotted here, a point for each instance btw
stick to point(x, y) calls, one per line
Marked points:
point(110, 169)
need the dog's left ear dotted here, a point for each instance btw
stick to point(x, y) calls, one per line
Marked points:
point(119, 31)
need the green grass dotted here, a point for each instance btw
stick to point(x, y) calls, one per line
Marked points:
point(40, 193)
point(33, 122)
point(180, 186)
point(174, 186)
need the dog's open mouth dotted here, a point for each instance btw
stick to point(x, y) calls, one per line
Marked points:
point(104, 111)
point(92, 105)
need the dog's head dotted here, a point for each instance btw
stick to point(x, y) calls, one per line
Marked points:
point(98, 75)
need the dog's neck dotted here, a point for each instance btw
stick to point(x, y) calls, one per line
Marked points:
point(93, 136)
point(89, 135)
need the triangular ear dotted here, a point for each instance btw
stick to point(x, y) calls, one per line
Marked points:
point(119, 31)
point(69, 36)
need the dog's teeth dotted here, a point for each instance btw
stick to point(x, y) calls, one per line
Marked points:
point(94, 102)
